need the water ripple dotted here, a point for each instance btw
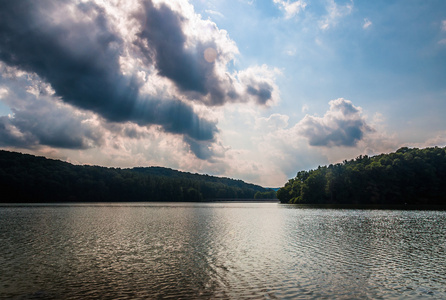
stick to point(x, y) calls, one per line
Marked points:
point(223, 251)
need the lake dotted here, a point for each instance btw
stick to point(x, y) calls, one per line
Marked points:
point(219, 250)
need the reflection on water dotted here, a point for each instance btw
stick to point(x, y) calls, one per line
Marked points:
point(219, 250)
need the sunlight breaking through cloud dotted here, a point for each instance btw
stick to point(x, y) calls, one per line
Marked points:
point(148, 64)
point(237, 88)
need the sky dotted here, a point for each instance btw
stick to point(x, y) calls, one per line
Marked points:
point(254, 90)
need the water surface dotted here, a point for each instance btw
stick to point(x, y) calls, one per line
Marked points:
point(219, 250)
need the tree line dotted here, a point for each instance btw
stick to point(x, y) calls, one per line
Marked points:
point(409, 176)
point(27, 178)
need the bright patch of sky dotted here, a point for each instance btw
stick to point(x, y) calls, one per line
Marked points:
point(250, 89)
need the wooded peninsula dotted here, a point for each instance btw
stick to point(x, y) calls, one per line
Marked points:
point(32, 179)
point(410, 176)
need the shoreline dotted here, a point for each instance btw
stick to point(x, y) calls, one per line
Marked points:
point(292, 206)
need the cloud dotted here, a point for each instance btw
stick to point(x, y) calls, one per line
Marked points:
point(443, 28)
point(165, 41)
point(214, 13)
point(25, 130)
point(144, 63)
point(438, 140)
point(272, 123)
point(39, 119)
point(290, 51)
point(335, 12)
point(193, 54)
point(291, 8)
point(263, 148)
point(270, 149)
point(342, 125)
point(80, 59)
point(367, 23)
point(259, 84)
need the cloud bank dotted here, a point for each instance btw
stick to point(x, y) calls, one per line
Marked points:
point(146, 63)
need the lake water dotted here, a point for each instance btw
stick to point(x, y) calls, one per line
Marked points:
point(219, 250)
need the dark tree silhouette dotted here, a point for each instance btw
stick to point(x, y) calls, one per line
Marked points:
point(408, 176)
point(27, 178)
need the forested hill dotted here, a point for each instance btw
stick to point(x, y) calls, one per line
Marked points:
point(408, 176)
point(28, 178)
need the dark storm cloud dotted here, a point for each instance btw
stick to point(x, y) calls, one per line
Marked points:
point(37, 120)
point(342, 125)
point(24, 131)
point(55, 132)
point(200, 149)
point(176, 117)
point(79, 57)
point(163, 41)
point(162, 30)
point(9, 138)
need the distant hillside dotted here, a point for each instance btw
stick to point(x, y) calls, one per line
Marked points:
point(408, 176)
point(28, 178)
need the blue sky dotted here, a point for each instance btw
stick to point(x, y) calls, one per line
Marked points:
point(255, 90)
point(372, 52)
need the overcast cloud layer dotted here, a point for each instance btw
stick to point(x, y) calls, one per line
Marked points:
point(194, 85)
